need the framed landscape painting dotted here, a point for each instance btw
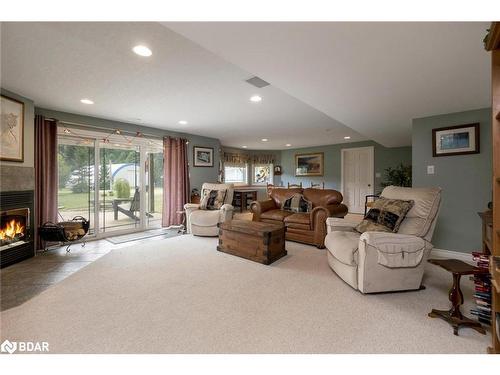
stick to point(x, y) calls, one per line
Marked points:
point(203, 156)
point(455, 140)
point(309, 164)
point(11, 129)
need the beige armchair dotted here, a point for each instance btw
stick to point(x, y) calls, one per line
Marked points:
point(379, 261)
point(204, 222)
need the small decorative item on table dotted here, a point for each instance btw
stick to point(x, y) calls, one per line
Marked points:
point(454, 316)
point(195, 196)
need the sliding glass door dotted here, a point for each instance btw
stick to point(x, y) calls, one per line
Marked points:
point(75, 195)
point(114, 180)
point(119, 187)
point(154, 186)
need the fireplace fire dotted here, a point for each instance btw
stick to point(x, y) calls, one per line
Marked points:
point(14, 226)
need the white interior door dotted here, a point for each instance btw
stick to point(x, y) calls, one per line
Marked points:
point(357, 177)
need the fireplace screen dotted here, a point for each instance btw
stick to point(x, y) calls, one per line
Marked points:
point(14, 227)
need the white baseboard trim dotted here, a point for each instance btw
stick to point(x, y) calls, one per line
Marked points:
point(440, 253)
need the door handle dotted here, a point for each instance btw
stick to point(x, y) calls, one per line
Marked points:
point(369, 185)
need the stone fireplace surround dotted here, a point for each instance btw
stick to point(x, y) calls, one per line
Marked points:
point(17, 191)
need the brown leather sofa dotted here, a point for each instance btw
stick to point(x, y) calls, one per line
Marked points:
point(302, 227)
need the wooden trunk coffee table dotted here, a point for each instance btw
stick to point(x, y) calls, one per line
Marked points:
point(261, 242)
point(454, 316)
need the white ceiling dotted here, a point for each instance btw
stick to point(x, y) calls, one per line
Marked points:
point(373, 77)
point(57, 64)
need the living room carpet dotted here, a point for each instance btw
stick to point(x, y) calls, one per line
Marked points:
point(180, 295)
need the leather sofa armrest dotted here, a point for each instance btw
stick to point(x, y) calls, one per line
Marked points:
point(258, 207)
point(337, 210)
point(318, 225)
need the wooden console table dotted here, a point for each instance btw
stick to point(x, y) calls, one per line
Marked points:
point(454, 316)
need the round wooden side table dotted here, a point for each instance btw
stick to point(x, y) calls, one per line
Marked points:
point(454, 316)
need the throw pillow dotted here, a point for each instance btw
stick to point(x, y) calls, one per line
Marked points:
point(297, 203)
point(385, 215)
point(213, 199)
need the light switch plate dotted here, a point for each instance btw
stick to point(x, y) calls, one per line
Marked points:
point(430, 169)
point(377, 175)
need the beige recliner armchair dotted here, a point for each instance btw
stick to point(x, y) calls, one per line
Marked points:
point(379, 261)
point(204, 222)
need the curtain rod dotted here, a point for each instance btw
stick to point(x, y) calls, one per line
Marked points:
point(102, 128)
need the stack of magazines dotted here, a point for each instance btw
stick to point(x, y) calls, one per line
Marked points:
point(482, 289)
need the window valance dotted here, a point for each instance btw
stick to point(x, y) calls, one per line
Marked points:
point(234, 158)
point(263, 159)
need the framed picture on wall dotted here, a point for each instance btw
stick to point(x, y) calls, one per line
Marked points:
point(203, 156)
point(309, 164)
point(455, 140)
point(11, 129)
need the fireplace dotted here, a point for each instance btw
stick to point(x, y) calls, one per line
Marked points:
point(16, 229)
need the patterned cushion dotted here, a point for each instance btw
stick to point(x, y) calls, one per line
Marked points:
point(212, 199)
point(297, 203)
point(385, 215)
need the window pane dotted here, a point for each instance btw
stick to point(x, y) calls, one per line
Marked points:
point(262, 173)
point(76, 179)
point(235, 174)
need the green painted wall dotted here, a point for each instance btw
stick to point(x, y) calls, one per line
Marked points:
point(384, 158)
point(198, 175)
point(466, 180)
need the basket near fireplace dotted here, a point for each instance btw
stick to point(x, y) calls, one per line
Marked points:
point(64, 231)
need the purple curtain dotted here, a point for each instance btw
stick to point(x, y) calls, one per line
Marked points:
point(175, 180)
point(45, 173)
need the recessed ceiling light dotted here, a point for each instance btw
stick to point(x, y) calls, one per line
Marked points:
point(288, 145)
point(142, 51)
point(255, 98)
point(183, 122)
point(264, 139)
point(347, 137)
point(244, 146)
point(86, 101)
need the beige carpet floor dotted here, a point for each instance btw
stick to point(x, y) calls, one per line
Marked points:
point(180, 295)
